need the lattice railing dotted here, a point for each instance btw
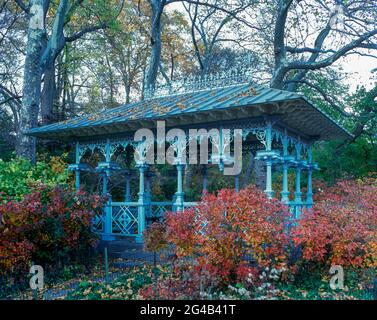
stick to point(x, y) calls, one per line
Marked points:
point(98, 223)
point(157, 210)
point(125, 221)
point(124, 218)
point(187, 205)
point(296, 209)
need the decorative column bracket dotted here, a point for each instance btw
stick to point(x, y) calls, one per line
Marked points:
point(271, 155)
point(107, 167)
point(222, 143)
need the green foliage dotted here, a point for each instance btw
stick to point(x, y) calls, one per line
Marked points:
point(346, 159)
point(343, 161)
point(358, 157)
point(18, 176)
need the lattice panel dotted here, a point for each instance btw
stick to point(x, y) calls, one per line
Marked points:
point(98, 223)
point(124, 220)
point(159, 210)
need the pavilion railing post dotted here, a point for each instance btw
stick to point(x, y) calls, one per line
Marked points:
point(179, 200)
point(141, 202)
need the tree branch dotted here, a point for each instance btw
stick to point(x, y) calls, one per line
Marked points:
point(86, 30)
point(330, 60)
point(9, 96)
point(23, 6)
point(307, 49)
point(210, 5)
point(323, 94)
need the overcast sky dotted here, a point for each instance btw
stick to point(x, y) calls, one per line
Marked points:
point(360, 69)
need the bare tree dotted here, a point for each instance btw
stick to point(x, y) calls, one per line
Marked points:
point(350, 28)
point(157, 9)
point(210, 27)
point(41, 53)
point(12, 46)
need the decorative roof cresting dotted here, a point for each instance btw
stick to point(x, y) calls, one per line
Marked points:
point(241, 74)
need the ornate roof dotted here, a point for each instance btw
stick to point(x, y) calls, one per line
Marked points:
point(207, 106)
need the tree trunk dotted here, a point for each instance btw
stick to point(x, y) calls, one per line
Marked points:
point(26, 146)
point(48, 94)
point(128, 91)
point(155, 57)
point(280, 57)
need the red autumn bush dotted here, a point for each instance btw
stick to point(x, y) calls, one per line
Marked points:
point(48, 226)
point(225, 227)
point(342, 227)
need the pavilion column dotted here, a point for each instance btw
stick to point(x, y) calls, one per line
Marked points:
point(148, 188)
point(179, 199)
point(285, 191)
point(104, 182)
point(204, 172)
point(298, 192)
point(77, 167)
point(141, 202)
point(269, 191)
point(107, 235)
point(309, 194)
point(77, 172)
point(127, 196)
point(237, 183)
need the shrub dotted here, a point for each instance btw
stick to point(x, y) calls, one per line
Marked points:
point(18, 176)
point(342, 227)
point(48, 226)
point(155, 239)
point(224, 228)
